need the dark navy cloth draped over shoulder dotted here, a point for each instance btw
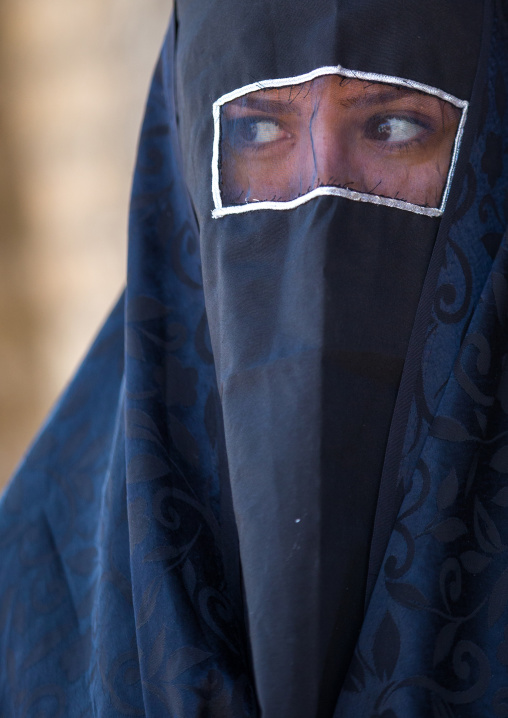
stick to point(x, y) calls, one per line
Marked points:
point(277, 486)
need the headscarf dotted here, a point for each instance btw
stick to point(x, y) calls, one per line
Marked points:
point(275, 486)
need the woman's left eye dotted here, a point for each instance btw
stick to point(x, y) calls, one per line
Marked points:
point(394, 129)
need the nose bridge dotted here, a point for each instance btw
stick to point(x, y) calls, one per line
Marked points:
point(331, 152)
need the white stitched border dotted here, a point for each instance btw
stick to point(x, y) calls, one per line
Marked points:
point(456, 147)
point(334, 191)
point(217, 199)
point(221, 211)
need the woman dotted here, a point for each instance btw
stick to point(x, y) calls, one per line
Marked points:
point(301, 513)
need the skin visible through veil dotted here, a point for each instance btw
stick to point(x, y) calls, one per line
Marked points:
point(374, 138)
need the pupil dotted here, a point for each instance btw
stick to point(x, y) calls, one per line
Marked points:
point(246, 130)
point(384, 130)
point(252, 131)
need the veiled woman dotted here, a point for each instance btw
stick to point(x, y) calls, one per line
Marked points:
point(277, 485)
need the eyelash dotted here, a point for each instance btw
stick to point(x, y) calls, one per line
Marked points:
point(376, 120)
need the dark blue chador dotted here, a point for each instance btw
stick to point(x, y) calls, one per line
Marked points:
point(277, 486)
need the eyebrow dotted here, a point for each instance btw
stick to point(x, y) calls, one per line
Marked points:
point(381, 96)
point(378, 96)
point(260, 104)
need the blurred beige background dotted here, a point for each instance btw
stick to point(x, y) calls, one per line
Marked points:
point(74, 79)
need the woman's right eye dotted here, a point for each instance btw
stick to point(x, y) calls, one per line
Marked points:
point(260, 131)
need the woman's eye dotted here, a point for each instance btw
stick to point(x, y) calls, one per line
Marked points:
point(394, 129)
point(262, 132)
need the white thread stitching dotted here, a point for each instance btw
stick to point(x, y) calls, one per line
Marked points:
point(221, 211)
point(217, 199)
point(322, 191)
point(455, 155)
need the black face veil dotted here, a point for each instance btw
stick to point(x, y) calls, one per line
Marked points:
point(310, 308)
